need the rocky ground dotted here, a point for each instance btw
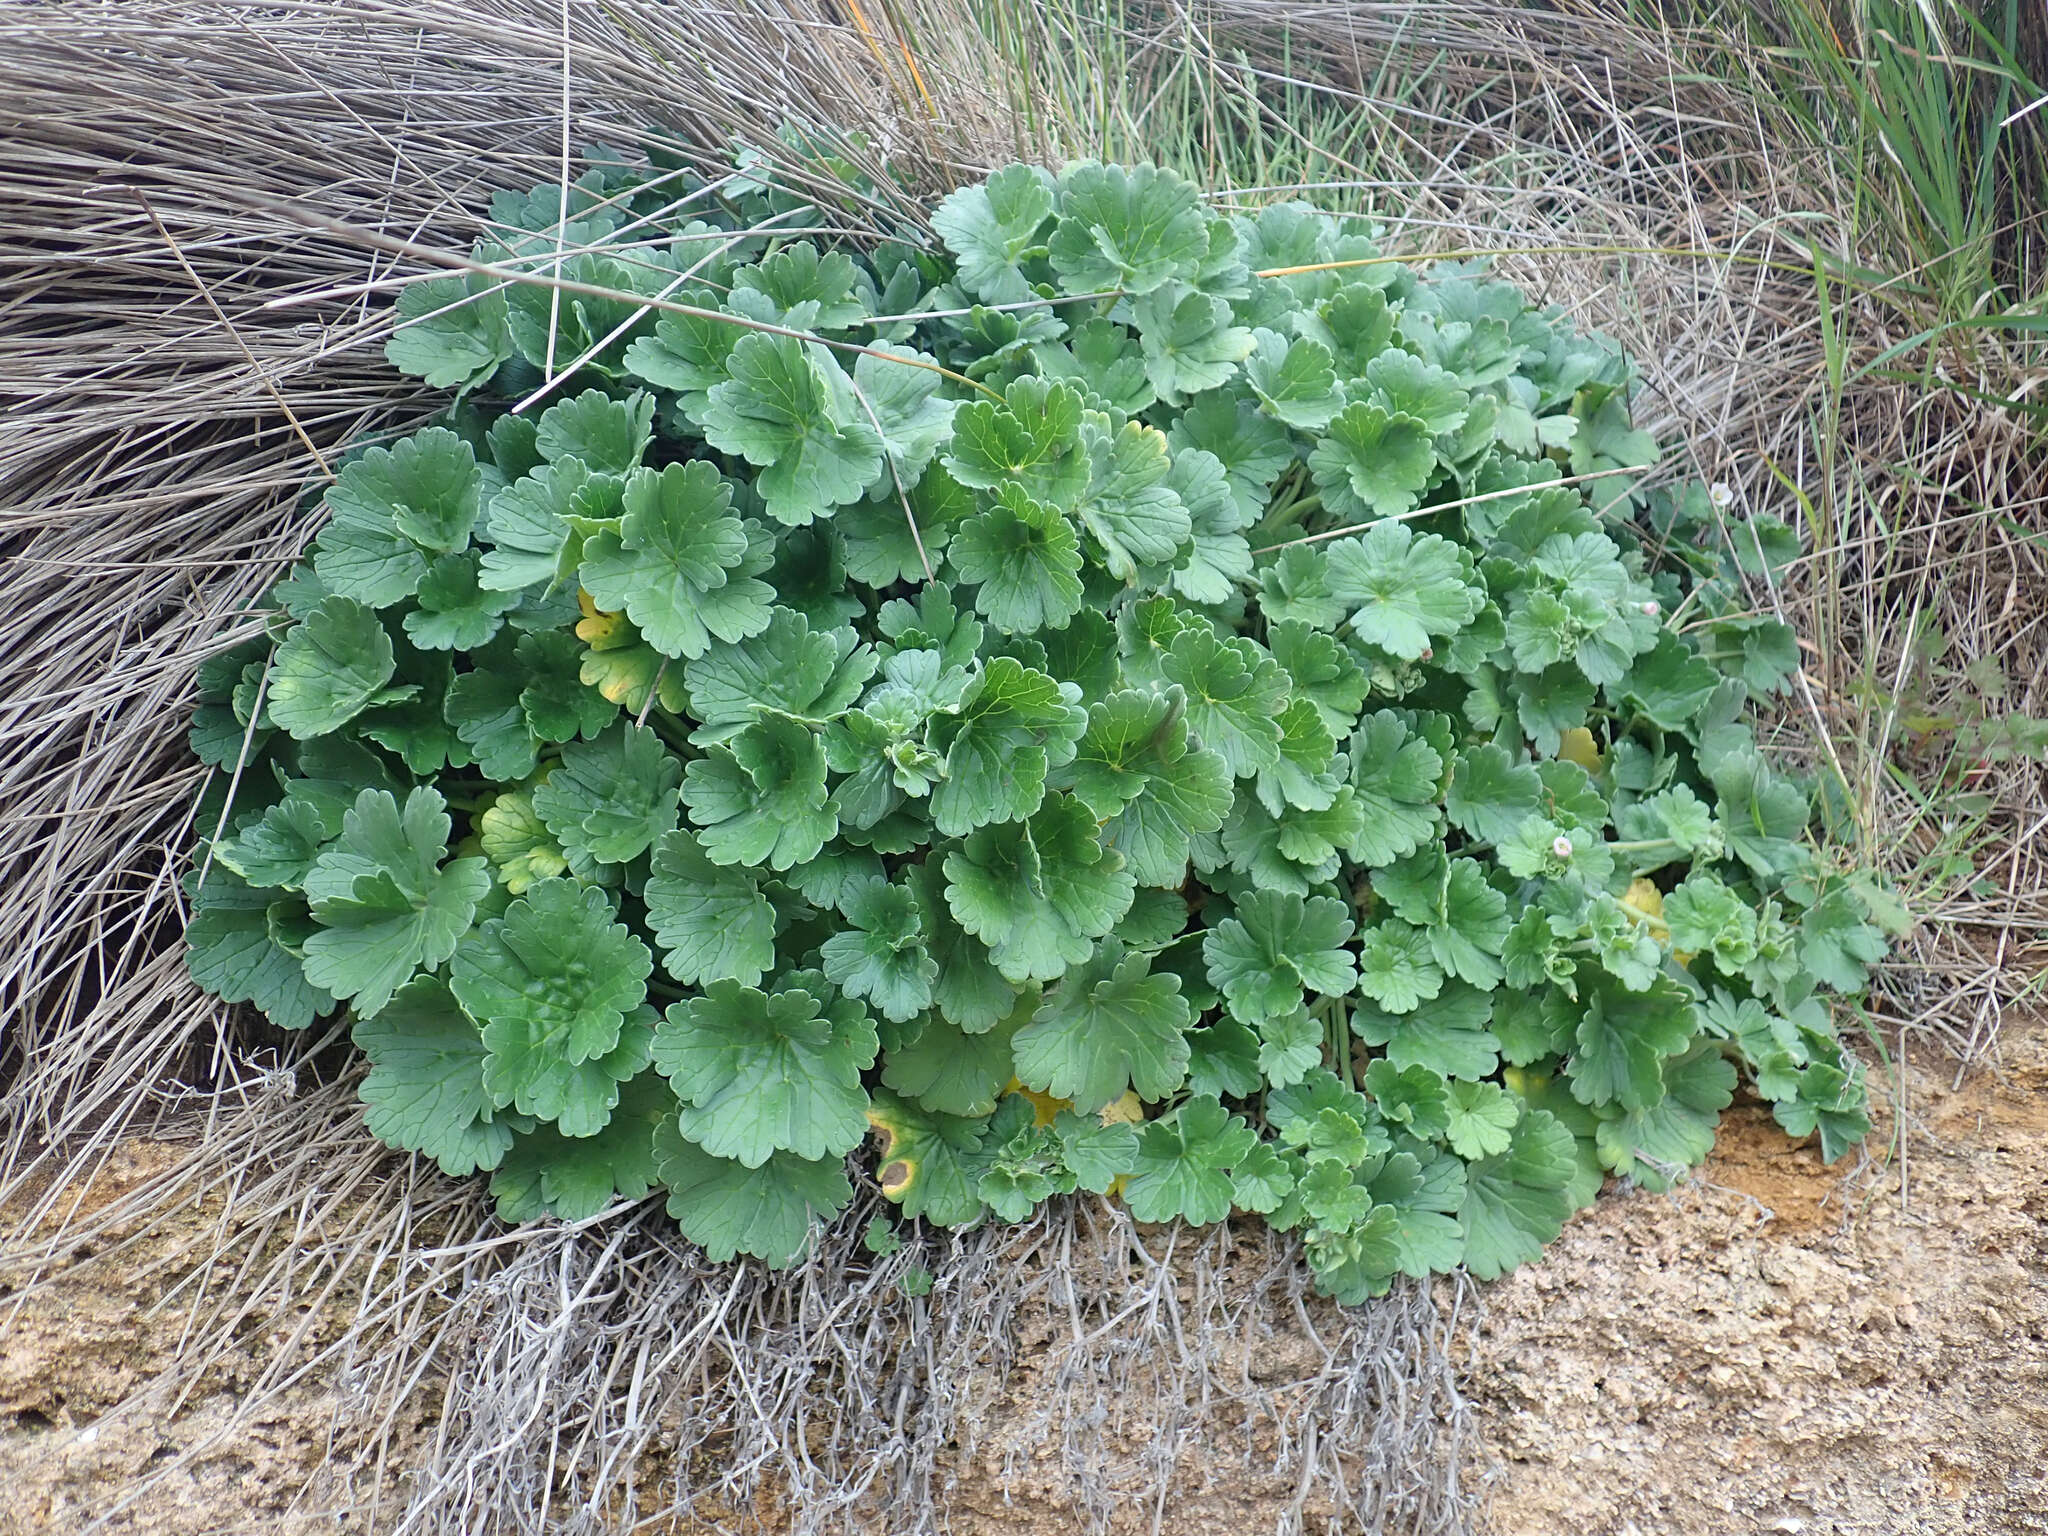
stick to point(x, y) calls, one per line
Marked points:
point(1774, 1348)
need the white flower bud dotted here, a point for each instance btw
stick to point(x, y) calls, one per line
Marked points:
point(1561, 846)
point(1722, 495)
point(1650, 609)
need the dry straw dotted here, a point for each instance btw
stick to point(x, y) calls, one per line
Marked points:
point(199, 202)
point(197, 208)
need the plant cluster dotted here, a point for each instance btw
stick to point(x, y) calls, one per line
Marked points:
point(1121, 698)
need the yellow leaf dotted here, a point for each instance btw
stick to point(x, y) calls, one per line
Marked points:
point(1645, 904)
point(1579, 747)
point(1128, 1110)
point(622, 666)
point(1044, 1107)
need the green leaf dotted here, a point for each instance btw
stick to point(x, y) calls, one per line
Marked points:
point(930, 1164)
point(1402, 384)
point(1416, 1098)
point(1676, 815)
point(484, 710)
point(671, 567)
point(1127, 505)
point(970, 991)
point(1372, 464)
point(907, 411)
point(1836, 946)
point(1014, 726)
point(1831, 1100)
point(1668, 683)
point(232, 948)
point(949, 1071)
point(1039, 894)
point(558, 987)
point(1623, 1038)
point(1295, 380)
point(796, 282)
point(1223, 1059)
point(1235, 692)
point(1703, 915)
point(330, 669)
point(760, 797)
point(1110, 1025)
point(1321, 671)
point(558, 704)
point(392, 509)
point(1764, 816)
point(425, 1090)
point(575, 1177)
point(1490, 794)
point(518, 843)
point(686, 353)
point(451, 331)
point(881, 956)
point(788, 669)
point(1396, 967)
point(1132, 230)
point(456, 614)
point(767, 1072)
point(1446, 1033)
point(1031, 440)
point(790, 414)
point(1404, 590)
point(1471, 927)
point(1217, 559)
point(1099, 358)
point(1137, 767)
point(604, 435)
point(612, 797)
point(1394, 774)
point(1425, 1235)
point(1655, 1146)
point(1276, 947)
point(1027, 559)
point(710, 921)
point(1290, 1047)
point(727, 1208)
point(279, 847)
point(1190, 343)
point(1482, 1120)
point(1517, 1202)
point(880, 546)
point(1183, 1162)
point(385, 904)
point(539, 524)
point(990, 227)
point(1252, 449)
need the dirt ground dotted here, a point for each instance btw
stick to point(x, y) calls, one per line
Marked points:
point(1775, 1349)
point(1771, 1349)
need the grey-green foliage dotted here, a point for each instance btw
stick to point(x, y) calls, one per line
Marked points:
point(1239, 709)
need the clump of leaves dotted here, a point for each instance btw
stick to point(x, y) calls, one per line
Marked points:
point(1124, 699)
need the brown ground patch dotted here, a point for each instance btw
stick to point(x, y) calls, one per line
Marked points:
point(1777, 1348)
point(1774, 1348)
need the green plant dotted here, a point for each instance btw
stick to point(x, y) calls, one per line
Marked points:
point(1129, 700)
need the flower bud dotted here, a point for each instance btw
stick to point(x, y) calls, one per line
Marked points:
point(1561, 846)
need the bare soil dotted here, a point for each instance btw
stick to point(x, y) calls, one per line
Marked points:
point(1776, 1347)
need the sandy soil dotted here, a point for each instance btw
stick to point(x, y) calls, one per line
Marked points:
point(1772, 1349)
point(1777, 1350)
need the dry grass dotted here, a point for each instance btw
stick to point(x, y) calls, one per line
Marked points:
point(175, 170)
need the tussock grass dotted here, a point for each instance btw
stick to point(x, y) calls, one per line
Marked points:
point(1828, 286)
